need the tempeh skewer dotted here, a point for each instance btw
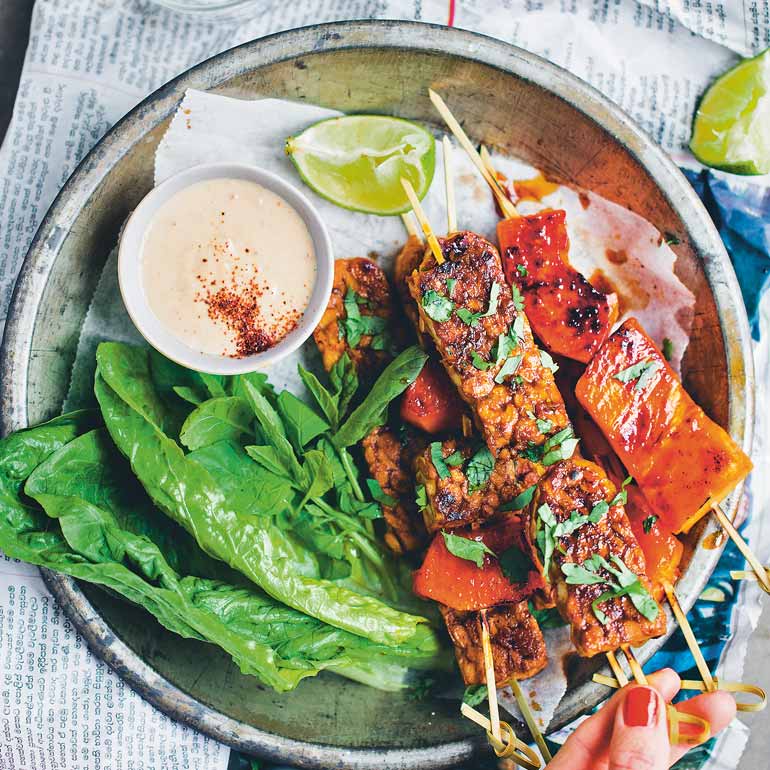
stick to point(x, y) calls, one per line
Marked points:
point(660, 434)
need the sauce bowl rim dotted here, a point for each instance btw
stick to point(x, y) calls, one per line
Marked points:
point(130, 279)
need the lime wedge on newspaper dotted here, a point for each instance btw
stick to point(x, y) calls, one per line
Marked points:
point(732, 125)
point(357, 161)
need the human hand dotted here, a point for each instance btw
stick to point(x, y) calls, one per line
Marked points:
point(630, 732)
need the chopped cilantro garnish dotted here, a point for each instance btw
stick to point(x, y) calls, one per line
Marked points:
point(479, 469)
point(377, 493)
point(437, 458)
point(421, 496)
point(515, 565)
point(354, 325)
point(455, 459)
point(467, 317)
point(464, 548)
point(494, 294)
point(547, 361)
point(642, 372)
point(621, 581)
point(649, 523)
point(508, 368)
point(436, 307)
point(521, 270)
point(450, 285)
point(668, 349)
point(479, 363)
point(518, 299)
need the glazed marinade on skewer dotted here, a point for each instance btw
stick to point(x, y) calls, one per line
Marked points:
point(464, 590)
point(485, 343)
point(465, 486)
point(569, 315)
point(682, 461)
point(591, 559)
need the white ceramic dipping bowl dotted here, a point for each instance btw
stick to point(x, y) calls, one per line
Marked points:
point(130, 273)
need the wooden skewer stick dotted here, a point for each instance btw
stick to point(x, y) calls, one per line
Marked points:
point(529, 718)
point(449, 186)
point(497, 189)
point(620, 675)
point(511, 747)
point(489, 673)
point(762, 573)
point(508, 209)
point(423, 220)
point(636, 669)
point(411, 230)
point(689, 636)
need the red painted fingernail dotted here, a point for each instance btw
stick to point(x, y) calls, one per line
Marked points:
point(640, 708)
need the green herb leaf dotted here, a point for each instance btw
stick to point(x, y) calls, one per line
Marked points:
point(421, 497)
point(479, 469)
point(521, 270)
point(518, 299)
point(375, 490)
point(649, 523)
point(450, 286)
point(372, 411)
point(455, 459)
point(515, 565)
point(327, 401)
point(218, 419)
point(548, 618)
point(547, 361)
point(544, 426)
point(521, 500)
point(344, 380)
point(494, 295)
point(621, 498)
point(301, 422)
point(545, 540)
point(668, 349)
point(437, 458)
point(475, 694)
point(642, 372)
point(508, 368)
point(563, 452)
point(463, 548)
point(581, 575)
point(437, 307)
point(468, 318)
point(355, 325)
point(479, 363)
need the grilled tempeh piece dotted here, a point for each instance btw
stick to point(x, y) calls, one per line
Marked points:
point(572, 489)
point(390, 463)
point(360, 288)
point(496, 366)
point(454, 502)
point(518, 647)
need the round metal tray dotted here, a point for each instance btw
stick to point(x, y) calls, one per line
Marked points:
point(505, 97)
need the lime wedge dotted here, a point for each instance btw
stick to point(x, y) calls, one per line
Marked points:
point(732, 125)
point(357, 161)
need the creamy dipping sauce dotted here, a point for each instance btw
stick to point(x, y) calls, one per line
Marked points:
point(228, 267)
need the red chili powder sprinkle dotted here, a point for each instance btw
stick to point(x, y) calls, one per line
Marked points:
point(238, 309)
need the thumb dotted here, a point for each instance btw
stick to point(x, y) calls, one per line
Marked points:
point(640, 735)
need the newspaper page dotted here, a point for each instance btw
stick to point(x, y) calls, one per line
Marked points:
point(61, 707)
point(87, 64)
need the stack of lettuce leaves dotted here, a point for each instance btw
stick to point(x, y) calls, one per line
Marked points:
point(233, 514)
